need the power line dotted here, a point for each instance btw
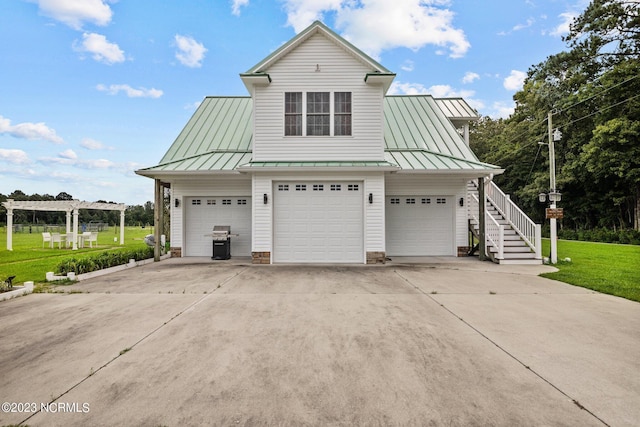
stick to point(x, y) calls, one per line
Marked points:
point(597, 94)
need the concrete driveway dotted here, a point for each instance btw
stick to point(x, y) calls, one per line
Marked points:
point(183, 342)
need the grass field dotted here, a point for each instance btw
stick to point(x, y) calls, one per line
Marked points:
point(604, 267)
point(29, 261)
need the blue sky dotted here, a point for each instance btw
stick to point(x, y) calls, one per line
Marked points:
point(91, 90)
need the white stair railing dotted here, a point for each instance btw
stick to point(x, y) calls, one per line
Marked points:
point(523, 225)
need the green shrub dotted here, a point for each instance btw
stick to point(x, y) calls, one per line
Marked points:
point(627, 236)
point(103, 260)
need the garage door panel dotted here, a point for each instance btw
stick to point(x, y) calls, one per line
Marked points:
point(322, 224)
point(203, 213)
point(419, 225)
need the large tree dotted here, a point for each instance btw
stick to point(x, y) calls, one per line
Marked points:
point(593, 92)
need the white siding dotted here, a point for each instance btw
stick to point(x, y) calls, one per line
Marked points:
point(373, 213)
point(219, 186)
point(296, 72)
point(410, 185)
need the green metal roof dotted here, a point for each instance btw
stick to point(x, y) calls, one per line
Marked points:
point(420, 160)
point(457, 109)
point(377, 165)
point(219, 124)
point(218, 138)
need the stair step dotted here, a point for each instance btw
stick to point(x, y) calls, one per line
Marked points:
point(512, 250)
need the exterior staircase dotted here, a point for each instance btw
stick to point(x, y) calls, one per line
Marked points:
point(511, 236)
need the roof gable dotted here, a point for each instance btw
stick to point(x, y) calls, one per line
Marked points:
point(317, 27)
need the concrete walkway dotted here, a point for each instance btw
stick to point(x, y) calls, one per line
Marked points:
point(195, 342)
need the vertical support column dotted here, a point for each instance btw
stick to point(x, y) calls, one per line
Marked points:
point(9, 229)
point(68, 223)
point(122, 227)
point(75, 229)
point(157, 219)
point(482, 203)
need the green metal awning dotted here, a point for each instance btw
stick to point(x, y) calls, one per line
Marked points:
point(326, 165)
point(421, 160)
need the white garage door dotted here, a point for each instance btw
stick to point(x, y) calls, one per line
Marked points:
point(318, 222)
point(202, 213)
point(419, 225)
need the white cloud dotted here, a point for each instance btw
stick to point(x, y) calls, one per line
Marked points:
point(563, 27)
point(502, 109)
point(92, 144)
point(68, 154)
point(378, 25)
point(131, 92)
point(408, 65)
point(75, 13)
point(31, 131)
point(190, 53)
point(470, 77)
point(515, 80)
point(236, 5)
point(437, 91)
point(101, 49)
point(14, 156)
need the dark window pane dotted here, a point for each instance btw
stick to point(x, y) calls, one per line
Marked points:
point(293, 113)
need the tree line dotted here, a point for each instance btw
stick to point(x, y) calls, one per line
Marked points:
point(592, 90)
point(138, 215)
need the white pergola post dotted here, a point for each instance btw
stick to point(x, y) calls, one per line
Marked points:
point(75, 229)
point(122, 227)
point(9, 229)
point(68, 228)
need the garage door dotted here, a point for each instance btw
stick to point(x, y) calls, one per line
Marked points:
point(202, 213)
point(318, 222)
point(419, 225)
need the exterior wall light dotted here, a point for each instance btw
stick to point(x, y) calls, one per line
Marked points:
point(265, 198)
point(370, 198)
point(176, 203)
point(555, 196)
point(461, 201)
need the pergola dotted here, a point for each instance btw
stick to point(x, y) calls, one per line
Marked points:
point(68, 206)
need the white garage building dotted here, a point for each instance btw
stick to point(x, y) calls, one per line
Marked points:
point(319, 165)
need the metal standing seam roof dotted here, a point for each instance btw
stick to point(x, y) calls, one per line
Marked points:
point(457, 109)
point(218, 138)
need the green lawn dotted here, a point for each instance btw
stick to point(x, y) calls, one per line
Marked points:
point(604, 267)
point(29, 261)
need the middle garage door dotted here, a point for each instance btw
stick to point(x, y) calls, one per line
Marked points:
point(318, 222)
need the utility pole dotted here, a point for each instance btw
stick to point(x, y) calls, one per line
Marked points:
point(552, 183)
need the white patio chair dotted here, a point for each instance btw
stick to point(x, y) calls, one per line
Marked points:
point(84, 238)
point(70, 237)
point(46, 238)
point(56, 238)
point(93, 237)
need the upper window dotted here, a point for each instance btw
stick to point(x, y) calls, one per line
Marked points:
point(293, 113)
point(317, 113)
point(342, 113)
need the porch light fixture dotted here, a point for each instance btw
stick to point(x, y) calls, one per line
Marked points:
point(555, 196)
point(370, 198)
point(176, 203)
point(265, 198)
point(461, 201)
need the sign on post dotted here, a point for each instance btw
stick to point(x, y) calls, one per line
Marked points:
point(556, 213)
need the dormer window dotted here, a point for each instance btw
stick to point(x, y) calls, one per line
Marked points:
point(317, 113)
